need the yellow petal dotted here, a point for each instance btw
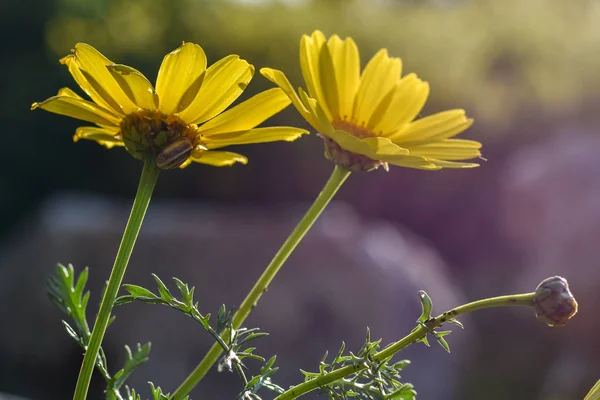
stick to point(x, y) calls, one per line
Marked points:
point(258, 135)
point(346, 63)
point(92, 64)
point(433, 128)
point(410, 161)
point(279, 78)
point(322, 123)
point(77, 108)
point(178, 71)
point(329, 85)
point(224, 81)
point(77, 74)
point(218, 158)
point(310, 53)
point(248, 114)
point(68, 92)
point(104, 136)
point(376, 148)
point(449, 149)
point(135, 85)
point(409, 97)
point(378, 78)
point(451, 164)
point(380, 111)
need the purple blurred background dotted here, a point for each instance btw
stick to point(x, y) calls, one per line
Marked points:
point(527, 73)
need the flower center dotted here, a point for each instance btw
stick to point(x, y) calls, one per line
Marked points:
point(360, 132)
point(347, 159)
point(149, 133)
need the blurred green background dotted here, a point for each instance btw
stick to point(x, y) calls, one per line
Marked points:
point(527, 71)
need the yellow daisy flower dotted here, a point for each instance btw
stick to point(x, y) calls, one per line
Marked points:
point(181, 119)
point(367, 119)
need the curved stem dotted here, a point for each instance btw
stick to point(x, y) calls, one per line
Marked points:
point(335, 181)
point(140, 204)
point(418, 333)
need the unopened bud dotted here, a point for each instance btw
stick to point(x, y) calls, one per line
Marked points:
point(553, 301)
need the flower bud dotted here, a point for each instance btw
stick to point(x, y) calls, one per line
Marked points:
point(553, 301)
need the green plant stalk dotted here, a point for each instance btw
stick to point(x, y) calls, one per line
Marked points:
point(140, 205)
point(594, 393)
point(417, 334)
point(337, 178)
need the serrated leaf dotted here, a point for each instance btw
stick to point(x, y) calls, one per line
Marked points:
point(81, 281)
point(183, 290)
point(138, 291)
point(424, 341)
point(253, 381)
point(133, 359)
point(165, 294)
point(456, 322)
point(71, 331)
point(269, 363)
point(119, 301)
point(443, 343)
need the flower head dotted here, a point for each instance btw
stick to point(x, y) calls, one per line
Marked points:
point(181, 119)
point(368, 119)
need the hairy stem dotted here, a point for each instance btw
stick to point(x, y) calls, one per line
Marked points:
point(336, 180)
point(418, 333)
point(140, 205)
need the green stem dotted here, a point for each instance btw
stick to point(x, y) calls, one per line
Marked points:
point(418, 333)
point(335, 181)
point(140, 204)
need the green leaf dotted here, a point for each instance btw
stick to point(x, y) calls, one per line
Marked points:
point(439, 336)
point(132, 361)
point(138, 291)
point(165, 294)
point(456, 322)
point(426, 306)
point(71, 331)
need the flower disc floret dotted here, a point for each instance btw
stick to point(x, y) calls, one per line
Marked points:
point(154, 134)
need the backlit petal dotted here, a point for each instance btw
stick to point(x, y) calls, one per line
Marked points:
point(68, 92)
point(103, 100)
point(248, 114)
point(92, 64)
point(409, 97)
point(218, 158)
point(135, 85)
point(329, 85)
point(435, 127)
point(279, 78)
point(452, 164)
point(258, 135)
point(346, 64)
point(378, 78)
point(310, 53)
point(77, 108)
point(224, 82)
point(106, 137)
point(178, 72)
point(376, 148)
point(322, 123)
point(449, 149)
point(410, 161)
